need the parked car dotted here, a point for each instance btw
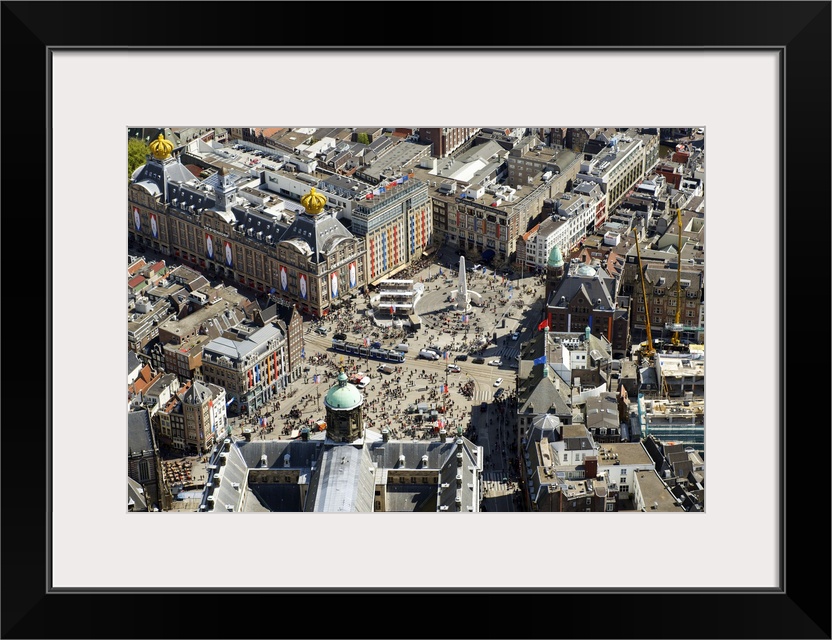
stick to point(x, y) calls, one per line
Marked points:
point(461, 357)
point(478, 360)
point(321, 330)
point(428, 355)
point(340, 336)
point(498, 382)
point(495, 363)
point(515, 336)
point(376, 345)
point(499, 392)
point(454, 368)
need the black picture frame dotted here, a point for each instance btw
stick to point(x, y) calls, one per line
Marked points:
point(799, 609)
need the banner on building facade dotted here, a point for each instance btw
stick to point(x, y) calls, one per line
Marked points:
point(303, 291)
point(352, 275)
point(153, 227)
point(229, 255)
point(284, 278)
point(333, 285)
point(209, 246)
point(137, 219)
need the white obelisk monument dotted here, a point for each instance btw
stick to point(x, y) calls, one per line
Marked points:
point(462, 296)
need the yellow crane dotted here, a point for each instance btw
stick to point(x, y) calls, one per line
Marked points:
point(678, 321)
point(647, 349)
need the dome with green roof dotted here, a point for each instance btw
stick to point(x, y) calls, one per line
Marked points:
point(343, 395)
point(555, 257)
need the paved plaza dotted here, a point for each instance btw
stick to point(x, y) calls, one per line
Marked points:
point(510, 304)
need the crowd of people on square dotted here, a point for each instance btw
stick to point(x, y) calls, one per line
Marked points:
point(455, 331)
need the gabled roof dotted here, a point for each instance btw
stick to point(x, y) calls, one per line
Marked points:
point(139, 438)
point(135, 496)
point(599, 286)
point(133, 362)
point(315, 236)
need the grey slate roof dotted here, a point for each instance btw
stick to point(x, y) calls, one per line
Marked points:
point(238, 349)
point(342, 477)
point(135, 495)
point(599, 286)
point(139, 438)
point(198, 393)
point(133, 362)
point(346, 481)
point(315, 236)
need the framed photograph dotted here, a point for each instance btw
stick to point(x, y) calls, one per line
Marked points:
point(755, 75)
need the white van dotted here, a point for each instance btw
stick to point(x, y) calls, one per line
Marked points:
point(428, 355)
point(402, 348)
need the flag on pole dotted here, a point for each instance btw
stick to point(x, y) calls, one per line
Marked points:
point(316, 378)
point(445, 390)
point(392, 310)
point(464, 317)
point(366, 341)
point(540, 360)
point(446, 355)
point(543, 324)
point(369, 196)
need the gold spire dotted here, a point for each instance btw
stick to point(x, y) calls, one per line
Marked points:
point(313, 202)
point(161, 148)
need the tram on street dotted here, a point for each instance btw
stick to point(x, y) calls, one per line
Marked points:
point(360, 351)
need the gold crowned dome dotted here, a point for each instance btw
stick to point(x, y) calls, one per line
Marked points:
point(161, 148)
point(313, 201)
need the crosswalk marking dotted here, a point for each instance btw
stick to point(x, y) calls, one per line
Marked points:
point(492, 478)
point(509, 353)
point(484, 395)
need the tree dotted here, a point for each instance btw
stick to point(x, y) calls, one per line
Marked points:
point(362, 137)
point(137, 151)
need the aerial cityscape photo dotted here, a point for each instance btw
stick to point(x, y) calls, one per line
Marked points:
point(415, 319)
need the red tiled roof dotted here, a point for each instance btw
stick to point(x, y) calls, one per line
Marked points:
point(268, 132)
point(132, 269)
point(529, 233)
point(157, 266)
point(134, 282)
point(145, 379)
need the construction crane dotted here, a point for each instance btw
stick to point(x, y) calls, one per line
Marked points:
point(647, 349)
point(678, 321)
point(677, 326)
